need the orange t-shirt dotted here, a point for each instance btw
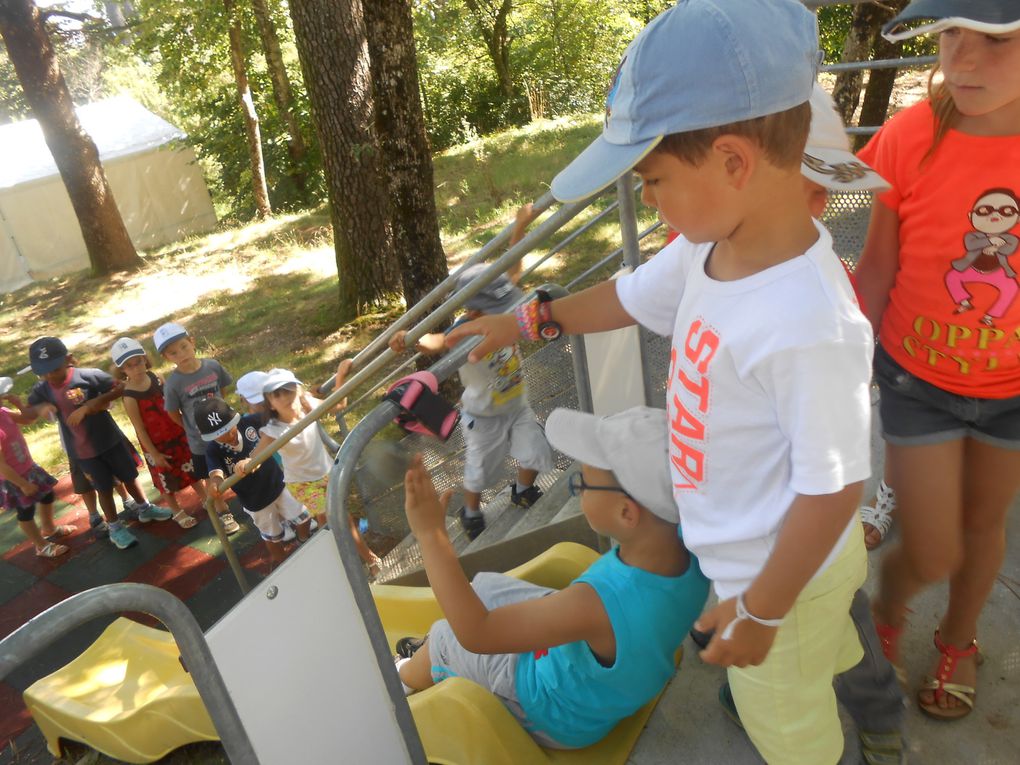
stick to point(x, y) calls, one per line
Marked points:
point(953, 317)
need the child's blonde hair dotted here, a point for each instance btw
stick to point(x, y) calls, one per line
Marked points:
point(947, 116)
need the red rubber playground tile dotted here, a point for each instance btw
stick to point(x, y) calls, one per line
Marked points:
point(28, 604)
point(15, 718)
point(181, 570)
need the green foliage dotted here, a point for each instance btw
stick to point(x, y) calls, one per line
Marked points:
point(562, 56)
point(185, 43)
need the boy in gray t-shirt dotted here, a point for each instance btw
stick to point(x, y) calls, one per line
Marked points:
point(496, 418)
point(192, 380)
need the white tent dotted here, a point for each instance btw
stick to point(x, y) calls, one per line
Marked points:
point(155, 180)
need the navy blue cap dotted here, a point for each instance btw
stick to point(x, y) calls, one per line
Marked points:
point(46, 354)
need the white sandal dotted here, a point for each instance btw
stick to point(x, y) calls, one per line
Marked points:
point(880, 516)
point(184, 519)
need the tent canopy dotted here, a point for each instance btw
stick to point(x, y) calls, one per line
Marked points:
point(119, 127)
point(154, 177)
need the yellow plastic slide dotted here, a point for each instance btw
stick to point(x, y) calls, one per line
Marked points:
point(461, 723)
point(126, 695)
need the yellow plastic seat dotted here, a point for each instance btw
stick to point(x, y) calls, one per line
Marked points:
point(461, 723)
point(126, 695)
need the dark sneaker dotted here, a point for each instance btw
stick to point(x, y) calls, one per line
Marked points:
point(526, 498)
point(728, 705)
point(407, 646)
point(473, 525)
point(100, 530)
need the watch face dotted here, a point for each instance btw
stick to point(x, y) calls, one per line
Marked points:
point(549, 330)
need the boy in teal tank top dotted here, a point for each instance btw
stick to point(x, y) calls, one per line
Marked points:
point(570, 664)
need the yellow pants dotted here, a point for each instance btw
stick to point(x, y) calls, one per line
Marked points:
point(787, 703)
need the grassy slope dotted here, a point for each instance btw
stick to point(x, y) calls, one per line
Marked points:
point(263, 295)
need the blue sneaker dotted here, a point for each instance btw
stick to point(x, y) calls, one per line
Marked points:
point(153, 512)
point(122, 538)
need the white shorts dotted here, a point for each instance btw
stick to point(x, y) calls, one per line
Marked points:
point(269, 520)
point(488, 440)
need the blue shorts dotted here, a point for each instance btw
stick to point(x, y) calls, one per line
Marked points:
point(102, 470)
point(917, 413)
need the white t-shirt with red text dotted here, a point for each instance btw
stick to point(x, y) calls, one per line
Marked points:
point(768, 395)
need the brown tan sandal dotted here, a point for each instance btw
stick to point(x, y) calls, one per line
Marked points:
point(948, 662)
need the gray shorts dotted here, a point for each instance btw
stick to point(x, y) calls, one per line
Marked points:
point(488, 440)
point(495, 672)
point(917, 413)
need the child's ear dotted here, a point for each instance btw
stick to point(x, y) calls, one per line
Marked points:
point(630, 515)
point(739, 156)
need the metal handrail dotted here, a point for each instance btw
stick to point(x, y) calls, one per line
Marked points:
point(40, 632)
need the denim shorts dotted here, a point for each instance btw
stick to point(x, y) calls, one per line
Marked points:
point(917, 413)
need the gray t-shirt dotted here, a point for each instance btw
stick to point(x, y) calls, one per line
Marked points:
point(181, 392)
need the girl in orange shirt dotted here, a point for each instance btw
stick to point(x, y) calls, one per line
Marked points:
point(939, 283)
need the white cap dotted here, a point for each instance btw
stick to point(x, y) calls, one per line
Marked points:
point(633, 445)
point(279, 378)
point(6, 383)
point(828, 159)
point(249, 386)
point(166, 334)
point(124, 349)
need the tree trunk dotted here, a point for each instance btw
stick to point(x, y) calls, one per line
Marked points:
point(331, 44)
point(881, 82)
point(400, 127)
point(492, 19)
point(251, 117)
point(282, 94)
point(31, 52)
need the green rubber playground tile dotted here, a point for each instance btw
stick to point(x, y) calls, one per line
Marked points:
point(102, 563)
point(205, 540)
point(13, 581)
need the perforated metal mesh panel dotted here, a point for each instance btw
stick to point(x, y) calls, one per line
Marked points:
point(550, 378)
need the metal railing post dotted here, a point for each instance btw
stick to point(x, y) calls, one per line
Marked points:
point(632, 259)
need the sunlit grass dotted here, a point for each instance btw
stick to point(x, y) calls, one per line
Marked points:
point(264, 294)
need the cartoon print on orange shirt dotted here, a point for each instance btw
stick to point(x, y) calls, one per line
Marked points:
point(988, 246)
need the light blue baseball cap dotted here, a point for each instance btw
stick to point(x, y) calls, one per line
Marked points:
point(700, 64)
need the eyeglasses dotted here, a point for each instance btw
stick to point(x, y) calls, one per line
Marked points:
point(1006, 211)
point(577, 486)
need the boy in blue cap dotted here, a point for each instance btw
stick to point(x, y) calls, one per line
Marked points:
point(768, 393)
point(80, 398)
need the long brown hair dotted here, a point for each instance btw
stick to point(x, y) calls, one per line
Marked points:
point(946, 114)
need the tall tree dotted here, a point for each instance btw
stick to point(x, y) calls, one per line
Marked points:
point(863, 42)
point(282, 93)
point(251, 117)
point(400, 127)
point(330, 36)
point(493, 20)
point(31, 52)
point(875, 107)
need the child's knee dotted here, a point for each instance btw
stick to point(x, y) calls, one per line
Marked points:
point(936, 563)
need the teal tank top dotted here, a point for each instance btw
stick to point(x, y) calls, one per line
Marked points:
point(569, 695)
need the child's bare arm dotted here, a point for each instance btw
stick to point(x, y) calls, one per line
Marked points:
point(575, 613)
point(25, 415)
point(343, 369)
point(521, 221)
point(432, 343)
point(811, 528)
point(879, 262)
point(95, 405)
point(135, 415)
point(597, 309)
point(27, 487)
point(175, 415)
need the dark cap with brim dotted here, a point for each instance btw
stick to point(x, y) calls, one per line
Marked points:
point(214, 418)
point(930, 16)
point(499, 296)
point(46, 354)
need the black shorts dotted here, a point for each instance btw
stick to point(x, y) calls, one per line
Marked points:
point(201, 468)
point(917, 413)
point(28, 513)
point(106, 467)
point(79, 481)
